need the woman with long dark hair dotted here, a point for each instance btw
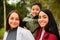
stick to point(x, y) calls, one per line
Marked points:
point(47, 29)
point(13, 29)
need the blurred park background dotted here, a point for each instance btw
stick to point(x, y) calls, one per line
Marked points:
point(23, 6)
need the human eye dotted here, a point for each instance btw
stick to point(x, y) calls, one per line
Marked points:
point(11, 18)
point(39, 17)
point(17, 18)
point(37, 9)
point(33, 9)
point(44, 17)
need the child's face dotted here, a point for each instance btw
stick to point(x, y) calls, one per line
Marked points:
point(35, 10)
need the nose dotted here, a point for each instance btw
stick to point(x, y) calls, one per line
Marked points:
point(14, 20)
point(41, 19)
point(34, 10)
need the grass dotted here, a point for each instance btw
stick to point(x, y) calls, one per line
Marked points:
point(1, 33)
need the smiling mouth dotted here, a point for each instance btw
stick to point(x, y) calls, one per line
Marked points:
point(13, 24)
point(42, 23)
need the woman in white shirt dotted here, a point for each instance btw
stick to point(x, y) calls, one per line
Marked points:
point(13, 29)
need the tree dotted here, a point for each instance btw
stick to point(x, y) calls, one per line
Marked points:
point(4, 2)
point(1, 13)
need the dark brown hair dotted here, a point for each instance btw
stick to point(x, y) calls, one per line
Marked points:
point(7, 24)
point(39, 4)
point(51, 27)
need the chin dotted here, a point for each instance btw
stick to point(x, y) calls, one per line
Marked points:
point(42, 26)
point(33, 15)
point(14, 26)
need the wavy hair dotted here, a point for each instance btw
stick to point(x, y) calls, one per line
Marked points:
point(51, 27)
point(7, 24)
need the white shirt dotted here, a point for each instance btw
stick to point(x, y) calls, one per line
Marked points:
point(43, 31)
point(22, 34)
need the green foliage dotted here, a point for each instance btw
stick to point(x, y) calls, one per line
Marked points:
point(9, 8)
point(56, 10)
point(1, 12)
point(53, 5)
point(20, 6)
point(1, 33)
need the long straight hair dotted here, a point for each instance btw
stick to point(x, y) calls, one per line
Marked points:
point(7, 24)
point(51, 27)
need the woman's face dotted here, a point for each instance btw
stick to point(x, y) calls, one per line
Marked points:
point(35, 10)
point(43, 19)
point(13, 20)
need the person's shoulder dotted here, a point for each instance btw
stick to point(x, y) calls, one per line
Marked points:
point(6, 32)
point(53, 37)
point(26, 34)
point(23, 30)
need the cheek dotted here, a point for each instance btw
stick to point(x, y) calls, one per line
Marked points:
point(9, 21)
point(38, 11)
point(18, 22)
point(32, 11)
point(47, 21)
point(38, 20)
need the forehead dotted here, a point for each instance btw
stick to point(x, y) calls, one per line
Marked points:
point(42, 14)
point(35, 6)
point(14, 14)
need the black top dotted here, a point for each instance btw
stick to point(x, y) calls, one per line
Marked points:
point(12, 34)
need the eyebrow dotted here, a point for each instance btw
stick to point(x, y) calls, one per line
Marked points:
point(44, 15)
